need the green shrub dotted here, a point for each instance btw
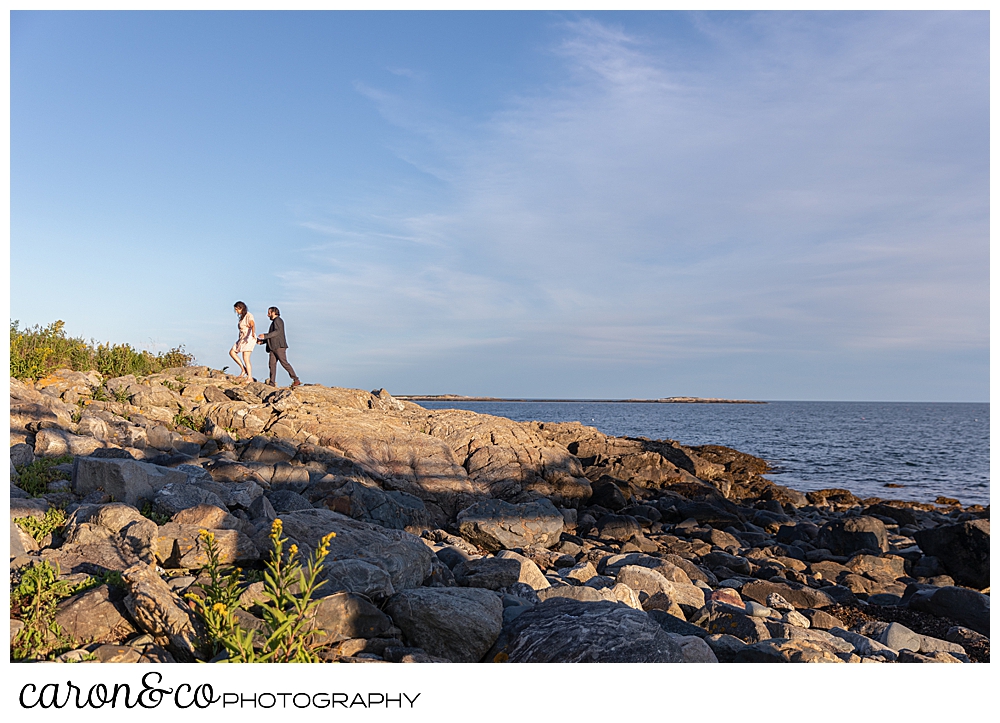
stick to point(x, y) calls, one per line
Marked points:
point(149, 514)
point(289, 587)
point(34, 478)
point(37, 351)
point(39, 527)
point(193, 422)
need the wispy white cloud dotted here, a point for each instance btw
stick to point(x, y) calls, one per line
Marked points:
point(807, 183)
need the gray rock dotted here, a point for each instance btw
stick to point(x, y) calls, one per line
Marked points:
point(864, 645)
point(642, 579)
point(618, 527)
point(395, 510)
point(21, 454)
point(405, 558)
point(569, 631)
point(725, 647)
point(161, 612)
point(459, 624)
point(52, 442)
point(491, 573)
point(357, 576)
point(782, 650)
point(963, 549)
point(963, 605)
point(695, 649)
point(579, 593)
point(849, 535)
point(495, 524)
point(126, 480)
point(176, 496)
point(612, 564)
point(261, 509)
point(179, 545)
point(744, 627)
point(91, 617)
point(288, 501)
point(529, 574)
point(894, 635)
point(268, 450)
point(797, 594)
point(675, 625)
point(343, 616)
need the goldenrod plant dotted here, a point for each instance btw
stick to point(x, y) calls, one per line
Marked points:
point(287, 608)
point(39, 527)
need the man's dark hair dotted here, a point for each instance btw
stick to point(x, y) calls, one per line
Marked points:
point(275, 310)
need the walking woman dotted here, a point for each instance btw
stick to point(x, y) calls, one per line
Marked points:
point(246, 342)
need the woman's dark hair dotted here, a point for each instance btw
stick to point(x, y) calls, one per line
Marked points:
point(240, 307)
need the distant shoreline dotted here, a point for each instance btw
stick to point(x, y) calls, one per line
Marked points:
point(665, 400)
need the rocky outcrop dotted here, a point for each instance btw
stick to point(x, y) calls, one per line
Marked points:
point(465, 537)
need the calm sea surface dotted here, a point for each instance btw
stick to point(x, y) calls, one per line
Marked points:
point(930, 449)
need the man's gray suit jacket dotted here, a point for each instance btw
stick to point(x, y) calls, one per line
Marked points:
point(275, 336)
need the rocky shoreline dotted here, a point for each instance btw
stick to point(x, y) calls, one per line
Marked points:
point(462, 537)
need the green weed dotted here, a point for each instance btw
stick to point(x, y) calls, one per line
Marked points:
point(148, 512)
point(184, 419)
point(33, 601)
point(38, 527)
point(34, 478)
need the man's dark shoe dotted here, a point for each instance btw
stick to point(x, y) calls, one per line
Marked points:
point(295, 383)
point(269, 383)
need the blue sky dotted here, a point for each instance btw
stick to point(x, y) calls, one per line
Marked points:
point(552, 204)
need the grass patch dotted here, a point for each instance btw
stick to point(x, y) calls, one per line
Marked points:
point(38, 351)
point(34, 478)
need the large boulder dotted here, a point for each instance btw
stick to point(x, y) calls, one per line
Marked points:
point(797, 594)
point(849, 535)
point(126, 480)
point(561, 630)
point(59, 442)
point(393, 509)
point(179, 545)
point(649, 581)
point(344, 615)
point(93, 617)
point(963, 549)
point(104, 537)
point(967, 607)
point(459, 624)
point(161, 612)
point(404, 557)
point(496, 525)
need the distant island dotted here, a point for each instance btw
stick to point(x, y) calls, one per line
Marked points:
point(664, 400)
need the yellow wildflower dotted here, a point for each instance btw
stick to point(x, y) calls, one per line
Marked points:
point(293, 550)
point(276, 528)
point(207, 536)
point(219, 608)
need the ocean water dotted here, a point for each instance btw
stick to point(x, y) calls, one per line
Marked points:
point(930, 449)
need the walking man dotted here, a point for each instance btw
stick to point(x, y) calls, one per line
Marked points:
point(276, 345)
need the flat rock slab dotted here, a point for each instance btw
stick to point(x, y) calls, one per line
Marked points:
point(569, 631)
